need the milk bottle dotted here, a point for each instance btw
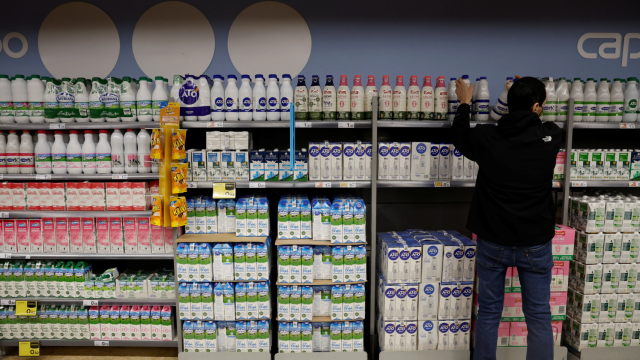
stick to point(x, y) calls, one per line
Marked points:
point(357, 97)
point(231, 99)
point(259, 99)
point(59, 154)
point(427, 103)
point(631, 96)
point(245, 112)
point(286, 97)
point(315, 99)
point(117, 152)
point(26, 154)
point(369, 93)
point(603, 102)
point(42, 154)
point(474, 110)
point(482, 100)
point(143, 100)
point(550, 109)
point(204, 101)
point(343, 99)
point(96, 107)
point(329, 100)
point(111, 100)
point(3, 151)
point(616, 108)
point(130, 152)
point(20, 99)
point(577, 95)
point(159, 98)
point(66, 101)
point(501, 108)
point(441, 99)
point(144, 151)
point(590, 97)
point(301, 100)
point(81, 101)
point(385, 100)
point(12, 154)
point(74, 154)
point(413, 99)
point(88, 154)
point(51, 101)
point(35, 95)
point(103, 153)
point(562, 92)
point(188, 95)
point(273, 98)
point(6, 100)
point(453, 99)
point(128, 100)
point(399, 100)
point(217, 99)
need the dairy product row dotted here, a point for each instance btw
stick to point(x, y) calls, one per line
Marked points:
point(608, 248)
point(77, 196)
point(226, 336)
point(205, 262)
point(512, 307)
point(423, 161)
point(559, 278)
point(88, 235)
point(300, 264)
point(305, 337)
point(604, 164)
point(340, 302)
point(70, 322)
point(246, 217)
point(342, 220)
point(218, 165)
point(581, 335)
point(416, 256)
point(514, 334)
point(339, 161)
point(601, 308)
point(602, 213)
point(603, 278)
point(411, 335)
point(229, 140)
point(224, 301)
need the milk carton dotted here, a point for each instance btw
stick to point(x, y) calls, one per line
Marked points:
point(589, 278)
point(453, 261)
point(229, 302)
point(263, 217)
point(295, 265)
point(304, 207)
point(252, 217)
point(614, 215)
point(307, 275)
point(210, 336)
point(283, 337)
point(75, 235)
point(214, 171)
point(428, 301)
point(271, 170)
point(284, 264)
point(420, 160)
point(116, 235)
point(432, 252)
point(590, 248)
point(596, 161)
point(300, 168)
point(612, 248)
point(35, 236)
point(610, 278)
point(444, 166)
point(337, 294)
point(628, 278)
point(427, 335)
point(606, 335)
point(337, 228)
point(256, 165)
point(623, 162)
point(295, 303)
point(337, 259)
point(283, 303)
point(130, 235)
point(384, 161)
point(294, 219)
point(518, 334)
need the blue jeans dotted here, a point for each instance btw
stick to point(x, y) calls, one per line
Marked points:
point(534, 268)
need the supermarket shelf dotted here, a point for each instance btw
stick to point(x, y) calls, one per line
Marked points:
point(82, 126)
point(426, 183)
point(605, 353)
point(110, 256)
point(63, 301)
point(318, 319)
point(114, 343)
point(322, 282)
point(520, 353)
point(323, 356)
point(604, 183)
point(220, 238)
point(283, 184)
point(426, 354)
point(312, 242)
point(228, 356)
point(603, 125)
point(68, 177)
point(57, 214)
point(358, 124)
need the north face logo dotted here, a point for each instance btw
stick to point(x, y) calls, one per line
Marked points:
point(546, 138)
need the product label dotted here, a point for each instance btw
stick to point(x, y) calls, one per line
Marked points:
point(602, 109)
point(82, 109)
point(217, 105)
point(157, 106)
point(36, 108)
point(272, 104)
point(51, 110)
point(95, 109)
point(578, 108)
point(74, 161)
point(26, 160)
point(112, 107)
point(88, 161)
point(128, 108)
point(12, 159)
point(563, 107)
point(6, 108)
point(59, 161)
point(103, 160)
point(143, 107)
point(631, 106)
point(21, 108)
point(616, 108)
point(550, 108)
point(43, 161)
point(245, 104)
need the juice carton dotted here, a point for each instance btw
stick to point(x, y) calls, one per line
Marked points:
point(116, 235)
point(130, 235)
point(145, 323)
point(156, 322)
point(35, 235)
point(134, 319)
point(75, 234)
point(102, 235)
point(22, 236)
point(88, 235)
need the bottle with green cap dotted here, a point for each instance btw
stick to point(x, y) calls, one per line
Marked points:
point(81, 103)
point(590, 97)
point(35, 93)
point(111, 100)
point(66, 101)
point(159, 97)
point(6, 100)
point(143, 100)
point(51, 106)
point(128, 100)
point(617, 101)
point(96, 107)
point(631, 95)
point(577, 94)
point(20, 101)
point(603, 102)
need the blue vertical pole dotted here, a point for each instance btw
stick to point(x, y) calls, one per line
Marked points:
point(292, 134)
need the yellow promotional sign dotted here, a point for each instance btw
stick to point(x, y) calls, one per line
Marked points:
point(224, 190)
point(26, 308)
point(29, 348)
point(170, 114)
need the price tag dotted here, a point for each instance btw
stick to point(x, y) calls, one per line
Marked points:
point(224, 190)
point(1, 176)
point(634, 183)
point(323, 184)
point(43, 177)
point(347, 184)
point(257, 185)
point(26, 308)
point(29, 348)
point(5, 256)
point(192, 185)
point(7, 302)
point(89, 302)
point(101, 343)
point(627, 126)
point(215, 124)
point(579, 184)
point(442, 184)
point(303, 124)
point(4, 215)
point(348, 124)
point(119, 176)
point(60, 126)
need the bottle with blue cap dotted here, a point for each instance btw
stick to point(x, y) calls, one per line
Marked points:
point(245, 96)
point(217, 99)
point(315, 99)
point(231, 99)
point(301, 100)
point(259, 99)
point(286, 97)
point(482, 98)
point(329, 107)
point(273, 98)
point(501, 107)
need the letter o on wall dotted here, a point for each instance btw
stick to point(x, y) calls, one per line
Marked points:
point(15, 35)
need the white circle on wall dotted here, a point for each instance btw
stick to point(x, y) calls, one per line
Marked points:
point(23, 50)
point(78, 39)
point(173, 38)
point(269, 38)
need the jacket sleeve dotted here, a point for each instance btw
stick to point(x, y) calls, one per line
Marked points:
point(465, 138)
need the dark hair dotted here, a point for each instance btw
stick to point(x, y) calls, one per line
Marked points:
point(524, 93)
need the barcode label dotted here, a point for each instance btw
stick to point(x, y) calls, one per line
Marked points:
point(504, 341)
point(561, 309)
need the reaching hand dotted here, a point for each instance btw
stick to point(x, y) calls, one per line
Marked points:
point(517, 77)
point(464, 91)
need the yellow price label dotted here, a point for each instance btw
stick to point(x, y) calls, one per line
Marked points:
point(170, 114)
point(224, 190)
point(29, 348)
point(26, 308)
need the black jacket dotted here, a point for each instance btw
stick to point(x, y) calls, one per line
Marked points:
point(512, 204)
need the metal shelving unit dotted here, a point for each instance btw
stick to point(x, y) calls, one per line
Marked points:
point(322, 282)
point(284, 184)
point(220, 238)
point(603, 183)
point(69, 177)
point(607, 125)
point(57, 214)
point(114, 343)
point(437, 124)
point(67, 256)
point(358, 124)
point(64, 301)
point(312, 242)
point(82, 126)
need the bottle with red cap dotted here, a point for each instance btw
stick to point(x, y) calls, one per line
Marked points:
point(130, 152)
point(42, 154)
point(103, 153)
point(12, 155)
point(27, 160)
point(357, 99)
point(399, 99)
point(74, 154)
point(369, 93)
point(441, 99)
point(58, 154)
point(413, 99)
point(343, 99)
point(88, 154)
point(329, 98)
point(385, 101)
point(427, 104)
point(117, 152)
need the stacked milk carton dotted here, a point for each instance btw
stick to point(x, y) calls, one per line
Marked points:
point(246, 217)
point(226, 157)
point(227, 336)
point(224, 301)
point(604, 300)
point(423, 161)
point(339, 161)
point(45, 278)
point(337, 336)
point(425, 290)
point(303, 302)
point(302, 264)
point(145, 284)
point(278, 165)
point(604, 164)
